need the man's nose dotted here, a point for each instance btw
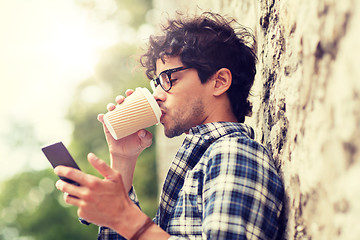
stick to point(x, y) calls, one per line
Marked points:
point(159, 94)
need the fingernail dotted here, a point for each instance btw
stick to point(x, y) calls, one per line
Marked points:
point(142, 134)
point(119, 98)
point(93, 156)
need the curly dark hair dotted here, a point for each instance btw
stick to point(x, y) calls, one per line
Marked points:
point(208, 43)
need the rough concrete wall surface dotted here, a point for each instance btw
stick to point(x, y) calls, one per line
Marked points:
point(309, 112)
point(307, 106)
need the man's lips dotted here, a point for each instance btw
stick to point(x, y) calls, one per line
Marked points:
point(163, 113)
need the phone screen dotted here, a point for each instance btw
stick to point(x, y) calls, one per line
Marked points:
point(57, 154)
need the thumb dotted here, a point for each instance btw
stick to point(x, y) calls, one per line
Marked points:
point(101, 166)
point(145, 138)
point(100, 118)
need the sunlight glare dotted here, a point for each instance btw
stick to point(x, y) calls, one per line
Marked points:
point(47, 48)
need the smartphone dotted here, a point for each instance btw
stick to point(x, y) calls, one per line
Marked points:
point(57, 154)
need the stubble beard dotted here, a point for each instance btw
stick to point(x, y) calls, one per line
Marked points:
point(182, 120)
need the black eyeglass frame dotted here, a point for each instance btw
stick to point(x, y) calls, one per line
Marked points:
point(156, 81)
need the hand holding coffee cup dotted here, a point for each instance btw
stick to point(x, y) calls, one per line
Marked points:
point(139, 110)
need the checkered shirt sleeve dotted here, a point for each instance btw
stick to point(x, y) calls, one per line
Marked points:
point(109, 234)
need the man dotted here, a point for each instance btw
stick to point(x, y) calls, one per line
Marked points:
point(221, 183)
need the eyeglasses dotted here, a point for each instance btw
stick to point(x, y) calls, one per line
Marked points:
point(164, 79)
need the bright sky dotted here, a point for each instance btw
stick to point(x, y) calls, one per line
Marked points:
point(46, 48)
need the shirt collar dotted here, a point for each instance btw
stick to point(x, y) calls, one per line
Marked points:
point(216, 130)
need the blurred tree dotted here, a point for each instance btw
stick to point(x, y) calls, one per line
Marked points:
point(30, 206)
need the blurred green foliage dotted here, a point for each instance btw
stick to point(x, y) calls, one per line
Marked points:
point(30, 206)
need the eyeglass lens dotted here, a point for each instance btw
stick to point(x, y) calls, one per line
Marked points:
point(165, 81)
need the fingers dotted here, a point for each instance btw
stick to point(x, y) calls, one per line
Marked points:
point(70, 199)
point(76, 175)
point(104, 169)
point(71, 192)
point(70, 173)
point(110, 106)
point(119, 99)
point(86, 181)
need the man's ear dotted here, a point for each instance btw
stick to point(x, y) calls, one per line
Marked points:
point(222, 81)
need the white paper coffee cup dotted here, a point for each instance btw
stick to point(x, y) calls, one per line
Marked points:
point(139, 110)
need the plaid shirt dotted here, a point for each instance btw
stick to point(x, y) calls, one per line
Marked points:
point(221, 185)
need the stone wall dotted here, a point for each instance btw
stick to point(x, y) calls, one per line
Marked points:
point(306, 105)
